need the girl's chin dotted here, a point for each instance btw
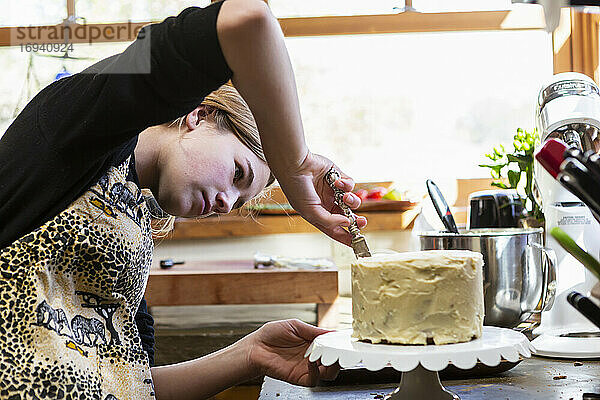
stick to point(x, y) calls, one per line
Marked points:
point(181, 205)
point(175, 207)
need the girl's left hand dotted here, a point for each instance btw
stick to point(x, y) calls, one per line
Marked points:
point(310, 195)
point(277, 350)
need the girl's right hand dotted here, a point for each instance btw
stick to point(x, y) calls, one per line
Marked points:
point(310, 195)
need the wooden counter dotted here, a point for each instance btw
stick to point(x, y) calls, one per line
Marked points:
point(235, 225)
point(238, 282)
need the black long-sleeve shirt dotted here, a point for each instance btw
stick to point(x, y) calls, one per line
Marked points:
point(76, 128)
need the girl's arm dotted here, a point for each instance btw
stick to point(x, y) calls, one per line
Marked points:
point(254, 48)
point(203, 377)
point(276, 349)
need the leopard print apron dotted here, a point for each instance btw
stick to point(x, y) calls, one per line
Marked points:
point(69, 292)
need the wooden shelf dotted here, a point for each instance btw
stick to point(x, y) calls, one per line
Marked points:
point(238, 282)
point(237, 226)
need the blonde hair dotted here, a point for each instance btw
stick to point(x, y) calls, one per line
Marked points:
point(230, 113)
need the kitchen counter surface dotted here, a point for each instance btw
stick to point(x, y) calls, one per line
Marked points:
point(534, 378)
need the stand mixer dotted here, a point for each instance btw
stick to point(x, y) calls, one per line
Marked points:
point(568, 109)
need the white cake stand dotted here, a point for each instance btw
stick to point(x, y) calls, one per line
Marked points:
point(420, 364)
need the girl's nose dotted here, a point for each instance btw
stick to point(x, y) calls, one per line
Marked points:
point(224, 202)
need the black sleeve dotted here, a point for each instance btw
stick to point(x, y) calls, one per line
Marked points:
point(145, 325)
point(65, 138)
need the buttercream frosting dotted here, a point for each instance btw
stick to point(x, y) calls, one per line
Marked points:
point(433, 296)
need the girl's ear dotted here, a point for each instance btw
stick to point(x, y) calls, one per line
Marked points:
point(200, 113)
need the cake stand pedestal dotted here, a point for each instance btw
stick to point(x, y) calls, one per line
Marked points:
point(421, 383)
point(420, 364)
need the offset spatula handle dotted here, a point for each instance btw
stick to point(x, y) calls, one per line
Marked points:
point(359, 244)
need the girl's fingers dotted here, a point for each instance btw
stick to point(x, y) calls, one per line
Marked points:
point(361, 221)
point(352, 200)
point(346, 184)
point(330, 372)
point(341, 235)
point(313, 375)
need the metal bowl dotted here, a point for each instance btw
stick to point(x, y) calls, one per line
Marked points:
point(519, 273)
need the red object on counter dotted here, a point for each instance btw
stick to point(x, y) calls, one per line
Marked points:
point(362, 194)
point(377, 193)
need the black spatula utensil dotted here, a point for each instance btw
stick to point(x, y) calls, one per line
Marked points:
point(441, 207)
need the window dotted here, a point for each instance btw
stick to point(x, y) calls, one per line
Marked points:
point(460, 5)
point(31, 12)
point(101, 11)
point(399, 106)
point(315, 8)
point(24, 74)
point(410, 106)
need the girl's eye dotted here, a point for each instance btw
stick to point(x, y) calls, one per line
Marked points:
point(239, 173)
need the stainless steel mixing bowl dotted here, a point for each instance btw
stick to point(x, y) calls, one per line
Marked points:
point(519, 274)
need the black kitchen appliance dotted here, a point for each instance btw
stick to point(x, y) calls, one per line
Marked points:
point(495, 209)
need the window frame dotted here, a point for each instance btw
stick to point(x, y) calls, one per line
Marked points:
point(575, 43)
point(575, 38)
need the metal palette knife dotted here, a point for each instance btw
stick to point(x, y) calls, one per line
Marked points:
point(359, 244)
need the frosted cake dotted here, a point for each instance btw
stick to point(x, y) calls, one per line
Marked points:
point(424, 297)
